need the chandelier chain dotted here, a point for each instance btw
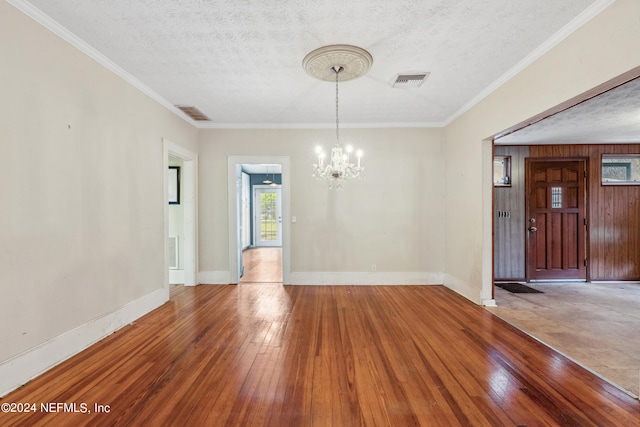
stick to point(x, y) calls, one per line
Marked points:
point(339, 167)
point(337, 119)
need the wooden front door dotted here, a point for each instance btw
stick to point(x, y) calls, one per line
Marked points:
point(556, 219)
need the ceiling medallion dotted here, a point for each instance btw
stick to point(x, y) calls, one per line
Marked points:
point(354, 61)
point(337, 63)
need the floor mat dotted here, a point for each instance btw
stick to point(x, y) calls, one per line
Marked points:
point(518, 288)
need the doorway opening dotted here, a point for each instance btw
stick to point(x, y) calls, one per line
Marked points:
point(258, 230)
point(260, 220)
point(180, 216)
point(262, 265)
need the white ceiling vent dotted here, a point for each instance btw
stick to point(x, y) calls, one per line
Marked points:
point(409, 80)
point(194, 113)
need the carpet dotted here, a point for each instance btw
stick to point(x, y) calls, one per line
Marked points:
point(518, 288)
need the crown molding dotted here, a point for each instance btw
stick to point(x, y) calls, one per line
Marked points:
point(53, 26)
point(377, 125)
point(40, 17)
point(550, 43)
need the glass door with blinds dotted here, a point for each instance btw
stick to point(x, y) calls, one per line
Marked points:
point(267, 207)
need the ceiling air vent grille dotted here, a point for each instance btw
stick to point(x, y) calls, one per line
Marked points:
point(194, 113)
point(410, 80)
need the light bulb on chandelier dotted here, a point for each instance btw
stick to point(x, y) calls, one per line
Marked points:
point(339, 167)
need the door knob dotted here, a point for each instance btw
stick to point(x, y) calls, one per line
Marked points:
point(533, 228)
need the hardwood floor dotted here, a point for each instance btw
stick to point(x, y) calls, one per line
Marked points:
point(262, 265)
point(273, 355)
point(596, 324)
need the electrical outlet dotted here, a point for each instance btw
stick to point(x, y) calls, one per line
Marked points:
point(373, 268)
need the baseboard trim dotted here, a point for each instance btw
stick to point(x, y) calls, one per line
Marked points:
point(464, 288)
point(176, 277)
point(28, 365)
point(214, 277)
point(358, 278)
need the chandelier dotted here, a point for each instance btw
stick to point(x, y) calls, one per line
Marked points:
point(343, 62)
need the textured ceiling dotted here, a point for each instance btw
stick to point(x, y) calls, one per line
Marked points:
point(611, 117)
point(239, 61)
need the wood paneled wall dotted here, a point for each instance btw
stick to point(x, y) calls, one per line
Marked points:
point(613, 242)
point(509, 230)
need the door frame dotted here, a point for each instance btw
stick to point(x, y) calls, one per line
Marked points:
point(256, 225)
point(233, 162)
point(585, 161)
point(189, 197)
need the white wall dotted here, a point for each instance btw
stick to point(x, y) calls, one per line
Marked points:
point(81, 222)
point(602, 49)
point(392, 219)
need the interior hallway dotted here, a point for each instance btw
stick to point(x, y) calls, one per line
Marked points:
point(262, 265)
point(595, 324)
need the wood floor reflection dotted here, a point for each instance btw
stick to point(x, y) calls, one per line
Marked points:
point(262, 265)
point(273, 355)
point(596, 324)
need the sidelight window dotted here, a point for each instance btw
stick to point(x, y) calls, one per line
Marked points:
point(502, 171)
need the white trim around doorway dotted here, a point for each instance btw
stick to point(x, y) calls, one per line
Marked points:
point(188, 197)
point(232, 163)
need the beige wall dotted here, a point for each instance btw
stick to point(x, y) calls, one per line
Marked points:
point(392, 219)
point(81, 222)
point(602, 49)
point(82, 193)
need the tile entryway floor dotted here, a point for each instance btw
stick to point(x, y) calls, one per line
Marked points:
point(595, 324)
